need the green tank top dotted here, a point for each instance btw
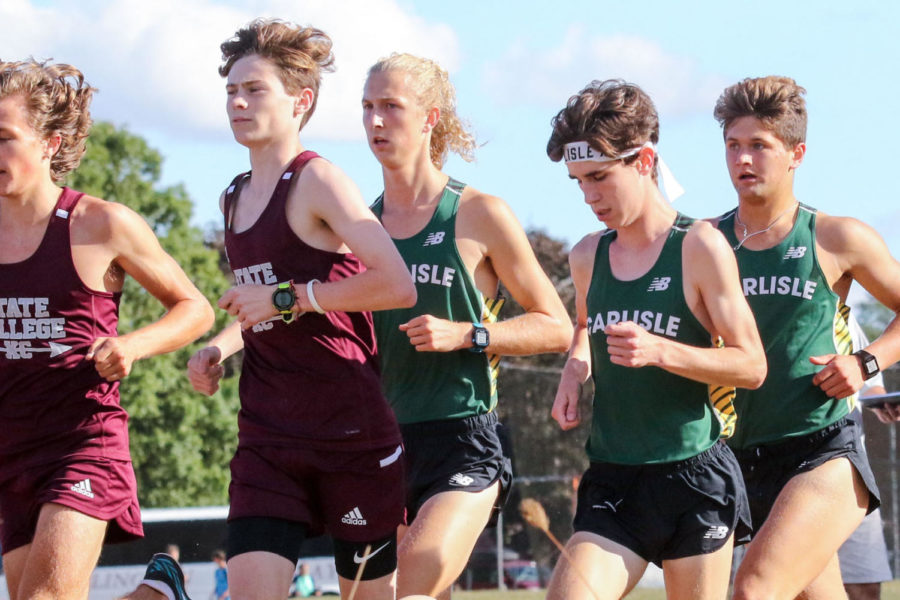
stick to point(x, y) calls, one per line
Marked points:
point(648, 415)
point(430, 386)
point(798, 316)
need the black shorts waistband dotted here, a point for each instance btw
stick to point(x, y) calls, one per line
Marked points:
point(792, 445)
point(450, 426)
point(704, 457)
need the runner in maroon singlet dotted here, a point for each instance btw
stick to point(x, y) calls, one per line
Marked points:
point(319, 449)
point(66, 480)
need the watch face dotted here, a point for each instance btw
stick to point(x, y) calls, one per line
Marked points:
point(283, 299)
point(871, 365)
point(481, 337)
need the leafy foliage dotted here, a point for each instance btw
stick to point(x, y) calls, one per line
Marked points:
point(181, 441)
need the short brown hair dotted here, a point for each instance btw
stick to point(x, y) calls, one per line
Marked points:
point(612, 116)
point(778, 102)
point(299, 53)
point(58, 103)
point(432, 86)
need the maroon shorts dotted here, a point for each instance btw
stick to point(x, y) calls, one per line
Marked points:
point(356, 496)
point(98, 487)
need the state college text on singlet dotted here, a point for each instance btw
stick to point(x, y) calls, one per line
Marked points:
point(53, 403)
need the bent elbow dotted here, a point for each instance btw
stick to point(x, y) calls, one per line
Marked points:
point(207, 317)
point(565, 331)
point(406, 294)
point(757, 373)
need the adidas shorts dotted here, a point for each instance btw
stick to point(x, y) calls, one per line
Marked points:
point(767, 469)
point(98, 487)
point(356, 496)
point(669, 510)
point(454, 455)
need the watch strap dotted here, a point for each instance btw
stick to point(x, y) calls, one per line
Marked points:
point(869, 364)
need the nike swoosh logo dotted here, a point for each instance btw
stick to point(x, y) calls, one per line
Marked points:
point(359, 559)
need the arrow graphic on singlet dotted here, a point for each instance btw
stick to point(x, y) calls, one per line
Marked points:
point(55, 349)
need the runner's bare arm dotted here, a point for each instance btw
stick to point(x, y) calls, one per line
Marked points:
point(332, 201)
point(137, 251)
point(544, 327)
point(850, 250)
point(578, 367)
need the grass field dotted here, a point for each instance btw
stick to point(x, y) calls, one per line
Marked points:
point(889, 591)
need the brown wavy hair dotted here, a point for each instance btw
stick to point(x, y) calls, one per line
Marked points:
point(301, 54)
point(432, 86)
point(612, 116)
point(58, 101)
point(778, 102)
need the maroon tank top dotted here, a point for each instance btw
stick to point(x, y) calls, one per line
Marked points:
point(53, 404)
point(316, 380)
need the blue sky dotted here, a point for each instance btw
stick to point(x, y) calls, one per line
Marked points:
point(514, 65)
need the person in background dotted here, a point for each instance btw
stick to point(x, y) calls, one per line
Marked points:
point(220, 576)
point(304, 585)
point(864, 556)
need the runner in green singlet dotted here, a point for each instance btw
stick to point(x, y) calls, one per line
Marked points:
point(797, 266)
point(665, 333)
point(439, 358)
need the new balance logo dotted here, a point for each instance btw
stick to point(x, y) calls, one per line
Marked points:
point(607, 505)
point(354, 517)
point(659, 284)
point(434, 238)
point(83, 488)
point(461, 480)
point(716, 532)
point(795, 252)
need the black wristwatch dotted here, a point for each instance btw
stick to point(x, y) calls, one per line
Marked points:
point(870, 366)
point(480, 338)
point(283, 299)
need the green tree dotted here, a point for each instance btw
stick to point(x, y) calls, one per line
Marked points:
point(181, 441)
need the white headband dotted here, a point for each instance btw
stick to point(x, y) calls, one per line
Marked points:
point(582, 151)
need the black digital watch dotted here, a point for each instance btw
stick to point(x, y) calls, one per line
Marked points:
point(283, 299)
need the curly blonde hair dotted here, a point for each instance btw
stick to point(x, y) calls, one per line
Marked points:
point(433, 89)
point(299, 53)
point(57, 101)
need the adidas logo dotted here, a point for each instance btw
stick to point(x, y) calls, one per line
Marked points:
point(795, 252)
point(716, 532)
point(434, 238)
point(83, 488)
point(354, 517)
point(659, 284)
point(461, 480)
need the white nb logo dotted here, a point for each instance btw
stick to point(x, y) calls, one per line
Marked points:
point(795, 252)
point(434, 238)
point(659, 284)
point(716, 532)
